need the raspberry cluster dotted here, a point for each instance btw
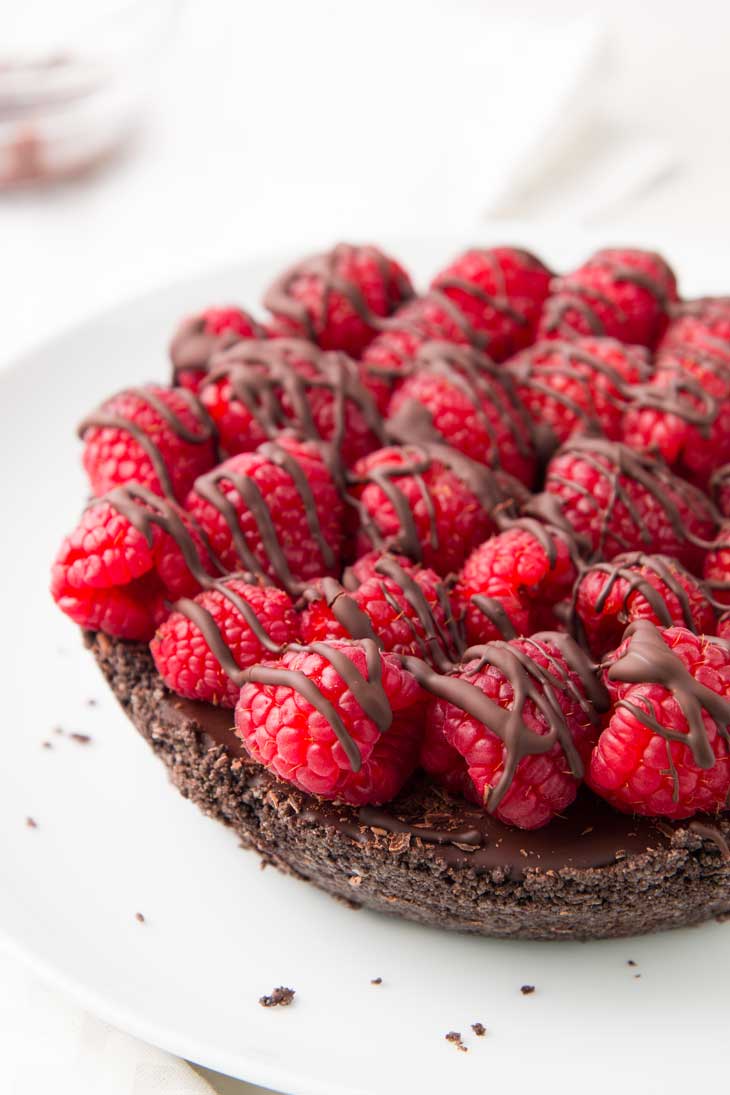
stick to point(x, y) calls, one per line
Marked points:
point(483, 531)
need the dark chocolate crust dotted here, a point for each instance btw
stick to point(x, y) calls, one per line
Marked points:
point(647, 877)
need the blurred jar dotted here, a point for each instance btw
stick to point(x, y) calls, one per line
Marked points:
point(74, 75)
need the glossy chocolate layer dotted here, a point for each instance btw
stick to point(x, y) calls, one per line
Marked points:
point(591, 834)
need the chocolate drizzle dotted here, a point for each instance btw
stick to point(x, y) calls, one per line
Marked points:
point(101, 419)
point(442, 647)
point(275, 379)
point(535, 367)
point(630, 570)
point(622, 465)
point(326, 268)
point(367, 691)
point(648, 660)
point(482, 383)
point(192, 345)
point(209, 487)
point(499, 302)
point(529, 681)
point(570, 294)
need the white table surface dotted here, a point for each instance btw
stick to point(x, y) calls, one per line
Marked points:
point(191, 192)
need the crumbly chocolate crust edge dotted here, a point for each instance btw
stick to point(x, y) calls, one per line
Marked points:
point(682, 884)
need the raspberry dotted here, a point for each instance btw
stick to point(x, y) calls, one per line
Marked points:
point(501, 291)
point(621, 500)
point(160, 438)
point(411, 502)
point(337, 299)
point(664, 749)
point(200, 336)
point(340, 720)
point(406, 609)
point(620, 293)
point(389, 358)
point(509, 585)
point(255, 389)
point(252, 622)
point(274, 513)
point(473, 406)
point(633, 586)
point(703, 324)
point(723, 626)
point(444, 764)
point(122, 562)
point(578, 387)
point(717, 566)
point(684, 413)
point(720, 489)
point(365, 567)
point(495, 712)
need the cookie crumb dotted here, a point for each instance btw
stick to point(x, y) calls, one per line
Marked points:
point(630, 962)
point(280, 997)
point(57, 729)
point(454, 1037)
point(527, 990)
point(479, 1029)
point(139, 917)
point(47, 744)
point(377, 981)
point(31, 823)
point(637, 975)
point(91, 702)
point(81, 739)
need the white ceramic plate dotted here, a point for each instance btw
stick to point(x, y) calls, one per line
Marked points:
point(113, 838)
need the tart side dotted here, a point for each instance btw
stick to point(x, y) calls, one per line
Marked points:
point(648, 876)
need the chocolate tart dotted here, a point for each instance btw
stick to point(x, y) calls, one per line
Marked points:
point(428, 856)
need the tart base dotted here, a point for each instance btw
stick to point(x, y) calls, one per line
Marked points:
point(427, 856)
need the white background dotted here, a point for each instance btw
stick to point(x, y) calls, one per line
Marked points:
point(274, 124)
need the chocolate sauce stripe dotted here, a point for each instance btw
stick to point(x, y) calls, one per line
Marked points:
point(279, 301)
point(648, 660)
point(102, 420)
point(261, 372)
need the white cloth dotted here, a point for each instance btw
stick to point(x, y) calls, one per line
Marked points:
point(272, 125)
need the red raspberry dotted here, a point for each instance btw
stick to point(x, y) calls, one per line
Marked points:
point(407, 609)
point(444, 764)
point(509, 585)
point(720, 489)
point(717, 566)
point(664, 749)
point(345, 732)
point(200, 336)
point(621, 500)
point(579, 386)
point(473, 406)
point(412, 503)
point(723, 626)
point(632, 587)
point(620, 293)
point(684, 413)
point(501, 291)
point(389, 358)
point(337, 299)
point(527, 687)
point(160, 438)
point(701, 324)
point(115, 576)
point(255, 389)
point(184, 658)
point(274, 513)
point(365, 567)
